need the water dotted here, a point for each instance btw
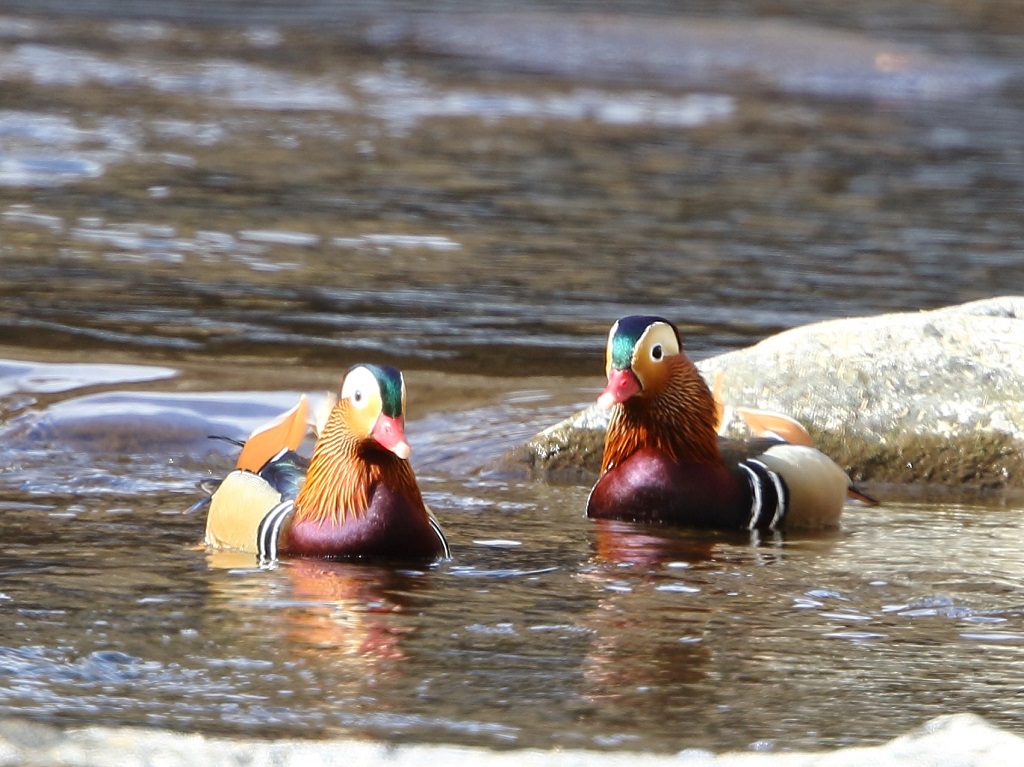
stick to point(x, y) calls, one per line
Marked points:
point(200, 220)
point(544, 629)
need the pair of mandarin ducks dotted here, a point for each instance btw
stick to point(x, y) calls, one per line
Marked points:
point(664, 462)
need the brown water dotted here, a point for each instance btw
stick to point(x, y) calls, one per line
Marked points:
point(200, 220)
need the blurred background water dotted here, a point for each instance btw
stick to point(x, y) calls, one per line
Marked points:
point(207, 208)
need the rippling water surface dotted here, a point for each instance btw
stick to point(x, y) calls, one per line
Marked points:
point(199, 221)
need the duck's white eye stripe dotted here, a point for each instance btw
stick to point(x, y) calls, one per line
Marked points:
point(359, 386)
point(359, 399)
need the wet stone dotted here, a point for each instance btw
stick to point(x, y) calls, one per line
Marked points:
point(963, 739)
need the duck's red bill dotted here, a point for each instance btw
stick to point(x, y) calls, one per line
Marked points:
point(622, 384)
point(390, 433)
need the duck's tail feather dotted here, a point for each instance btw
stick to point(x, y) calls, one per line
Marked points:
point(229, 440)
point(859, 495)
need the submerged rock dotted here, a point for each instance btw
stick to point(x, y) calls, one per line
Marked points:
point(927, 398)
point(695, 52)
point(962, 739)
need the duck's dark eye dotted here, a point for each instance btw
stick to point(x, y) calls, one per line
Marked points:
point(657, 353)
point(357, 396)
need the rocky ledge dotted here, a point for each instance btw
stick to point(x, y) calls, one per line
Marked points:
point(928, 400)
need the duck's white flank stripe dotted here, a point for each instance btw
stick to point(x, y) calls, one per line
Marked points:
point(435, 525)
point(780, 494)
point(755, 506)
point(269, 529)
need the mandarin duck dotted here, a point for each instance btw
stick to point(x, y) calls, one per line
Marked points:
point(663, 459)
point(355, 497)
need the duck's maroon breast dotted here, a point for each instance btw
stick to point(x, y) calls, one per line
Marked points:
point(650, 487)
point(393, 527)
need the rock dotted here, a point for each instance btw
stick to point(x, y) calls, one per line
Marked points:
point(568, 451)
point(965, 740)
point(928, 399)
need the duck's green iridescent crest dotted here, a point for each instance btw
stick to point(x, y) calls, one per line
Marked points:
point(627, 333)
point(391, 388)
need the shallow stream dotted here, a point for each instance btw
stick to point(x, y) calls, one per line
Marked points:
point(206, 210)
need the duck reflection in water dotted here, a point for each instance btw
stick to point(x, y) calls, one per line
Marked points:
point(639, 544)
point(326, 610)
point(646, 642)
point(657, 629)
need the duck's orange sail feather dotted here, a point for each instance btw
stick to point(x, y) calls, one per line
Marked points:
point(287, 430)
point(766, 423)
